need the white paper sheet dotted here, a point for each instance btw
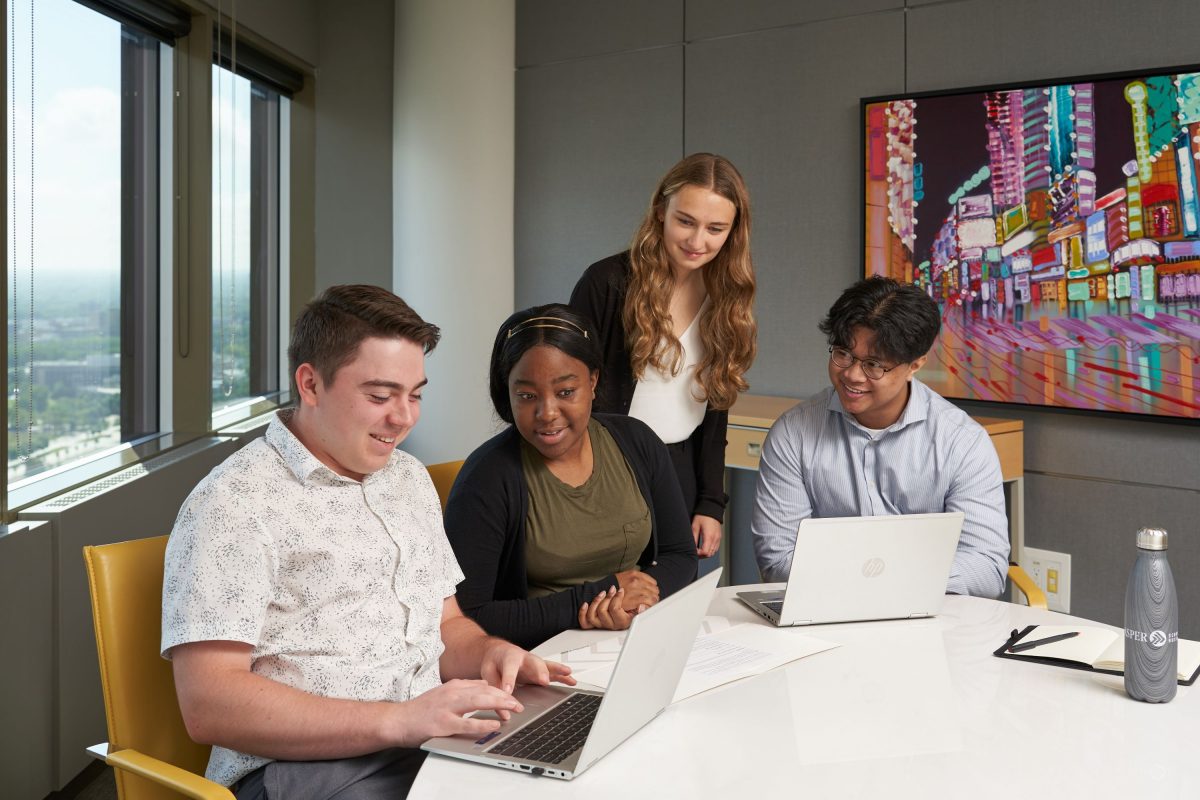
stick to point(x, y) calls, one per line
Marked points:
point(605, 651)
point(728, 655)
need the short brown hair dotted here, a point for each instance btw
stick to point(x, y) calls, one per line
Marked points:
point(331, 327)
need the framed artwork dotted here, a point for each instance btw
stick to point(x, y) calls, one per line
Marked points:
point(1058, 227)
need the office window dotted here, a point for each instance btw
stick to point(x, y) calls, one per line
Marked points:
point(245, 236)
point(82, 260)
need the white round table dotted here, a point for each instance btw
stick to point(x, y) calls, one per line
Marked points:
point(906, 708)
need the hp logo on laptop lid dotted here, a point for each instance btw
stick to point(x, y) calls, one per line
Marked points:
point(873, 567)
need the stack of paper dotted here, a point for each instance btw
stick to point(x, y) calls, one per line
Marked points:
point(722, 653)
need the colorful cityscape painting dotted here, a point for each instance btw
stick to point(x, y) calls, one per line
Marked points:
point(1058, 227)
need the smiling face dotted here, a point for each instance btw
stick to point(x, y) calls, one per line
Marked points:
point(875, 404)
point(551, 395)
point(696, 223)
point(353, 424)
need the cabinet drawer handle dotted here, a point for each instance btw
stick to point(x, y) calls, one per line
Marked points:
point(754, 449)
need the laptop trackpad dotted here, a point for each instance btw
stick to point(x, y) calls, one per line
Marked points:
point(536, 700)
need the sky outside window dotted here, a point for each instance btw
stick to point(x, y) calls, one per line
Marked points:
point(231, 238)
point(74, 163)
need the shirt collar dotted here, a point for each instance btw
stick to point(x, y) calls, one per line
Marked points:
point(917, 407)
point(298, 458)
point(915, 410)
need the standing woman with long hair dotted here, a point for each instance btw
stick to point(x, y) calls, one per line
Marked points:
point(675, 316)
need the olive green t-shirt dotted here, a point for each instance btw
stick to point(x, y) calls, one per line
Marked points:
point(576, 534)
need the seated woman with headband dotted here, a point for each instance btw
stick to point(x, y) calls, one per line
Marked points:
point(565, 519)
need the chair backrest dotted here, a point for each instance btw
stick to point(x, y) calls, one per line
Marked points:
point(125, 580)
point(443, 477)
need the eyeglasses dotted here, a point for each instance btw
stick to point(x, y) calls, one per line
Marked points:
point(843, 358)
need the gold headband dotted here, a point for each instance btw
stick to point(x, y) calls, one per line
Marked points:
point(547, 322)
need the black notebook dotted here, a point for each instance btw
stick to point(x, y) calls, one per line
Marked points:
point(1093, 649)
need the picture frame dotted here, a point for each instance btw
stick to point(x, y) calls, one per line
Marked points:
point(1057, 225)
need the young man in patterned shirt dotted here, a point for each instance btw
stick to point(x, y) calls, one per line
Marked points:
point(308, 599)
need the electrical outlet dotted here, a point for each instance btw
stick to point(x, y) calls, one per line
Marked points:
point(1052, 572)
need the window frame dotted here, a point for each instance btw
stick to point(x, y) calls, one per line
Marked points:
point(267, 293)
point(141, 122)
point(141, 116)
point(179, 285)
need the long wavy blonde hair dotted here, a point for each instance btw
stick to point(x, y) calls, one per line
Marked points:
point(728, 328)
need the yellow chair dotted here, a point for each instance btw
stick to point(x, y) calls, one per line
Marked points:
point(1020, 578)
point(443, 477)
point(147, 742)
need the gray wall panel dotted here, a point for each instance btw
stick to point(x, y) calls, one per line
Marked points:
point(553, 30)
point(782, 102)
point(1089, 451)
point(1106, 447)
point(593, 138)
point(1095, 522)
point(980, 42)
point(289, 24)
point(708, 18)
point(354, 143)
point(772, 104)
point(27, 675)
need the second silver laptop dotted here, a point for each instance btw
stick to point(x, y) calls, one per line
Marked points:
point(851, 569)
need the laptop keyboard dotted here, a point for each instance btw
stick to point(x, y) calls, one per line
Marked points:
point(774, 605)
point(556, 735)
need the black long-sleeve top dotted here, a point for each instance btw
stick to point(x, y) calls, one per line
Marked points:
point(600, 296)
point(485, 523)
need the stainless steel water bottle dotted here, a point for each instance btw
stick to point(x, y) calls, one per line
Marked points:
point(1151, 622)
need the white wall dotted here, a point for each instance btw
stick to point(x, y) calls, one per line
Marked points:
point(452, 162)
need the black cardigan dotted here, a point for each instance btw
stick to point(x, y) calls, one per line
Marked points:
point(485, 523)
point(600, 296)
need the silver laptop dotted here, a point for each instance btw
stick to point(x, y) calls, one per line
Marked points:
point(562, 730)
point(852, 569)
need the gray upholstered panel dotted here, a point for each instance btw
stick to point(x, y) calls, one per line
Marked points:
point(980, 42)
point(784, 106)
point(593, 138)
point(27, 690)
point(1095, 522)
point(1105, 447)
point(1099, 474)
point(708, 18)
point(354, 144)
point(554, 30)
point(1106, 37)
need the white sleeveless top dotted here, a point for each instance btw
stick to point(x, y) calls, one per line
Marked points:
point(668, 403)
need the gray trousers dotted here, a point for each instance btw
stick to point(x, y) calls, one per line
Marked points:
point(387, 774)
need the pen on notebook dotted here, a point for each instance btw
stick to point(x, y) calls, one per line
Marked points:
point(1016, 648)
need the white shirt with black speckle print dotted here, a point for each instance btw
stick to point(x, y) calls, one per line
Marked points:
point(337, 584)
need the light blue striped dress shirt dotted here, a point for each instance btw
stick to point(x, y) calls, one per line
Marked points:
point(817, 461)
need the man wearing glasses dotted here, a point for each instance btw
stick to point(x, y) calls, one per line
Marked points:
point(880, 442)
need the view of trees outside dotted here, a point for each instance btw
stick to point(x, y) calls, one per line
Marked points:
point(64, 247)
point(64, 236)
point(231, 238)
